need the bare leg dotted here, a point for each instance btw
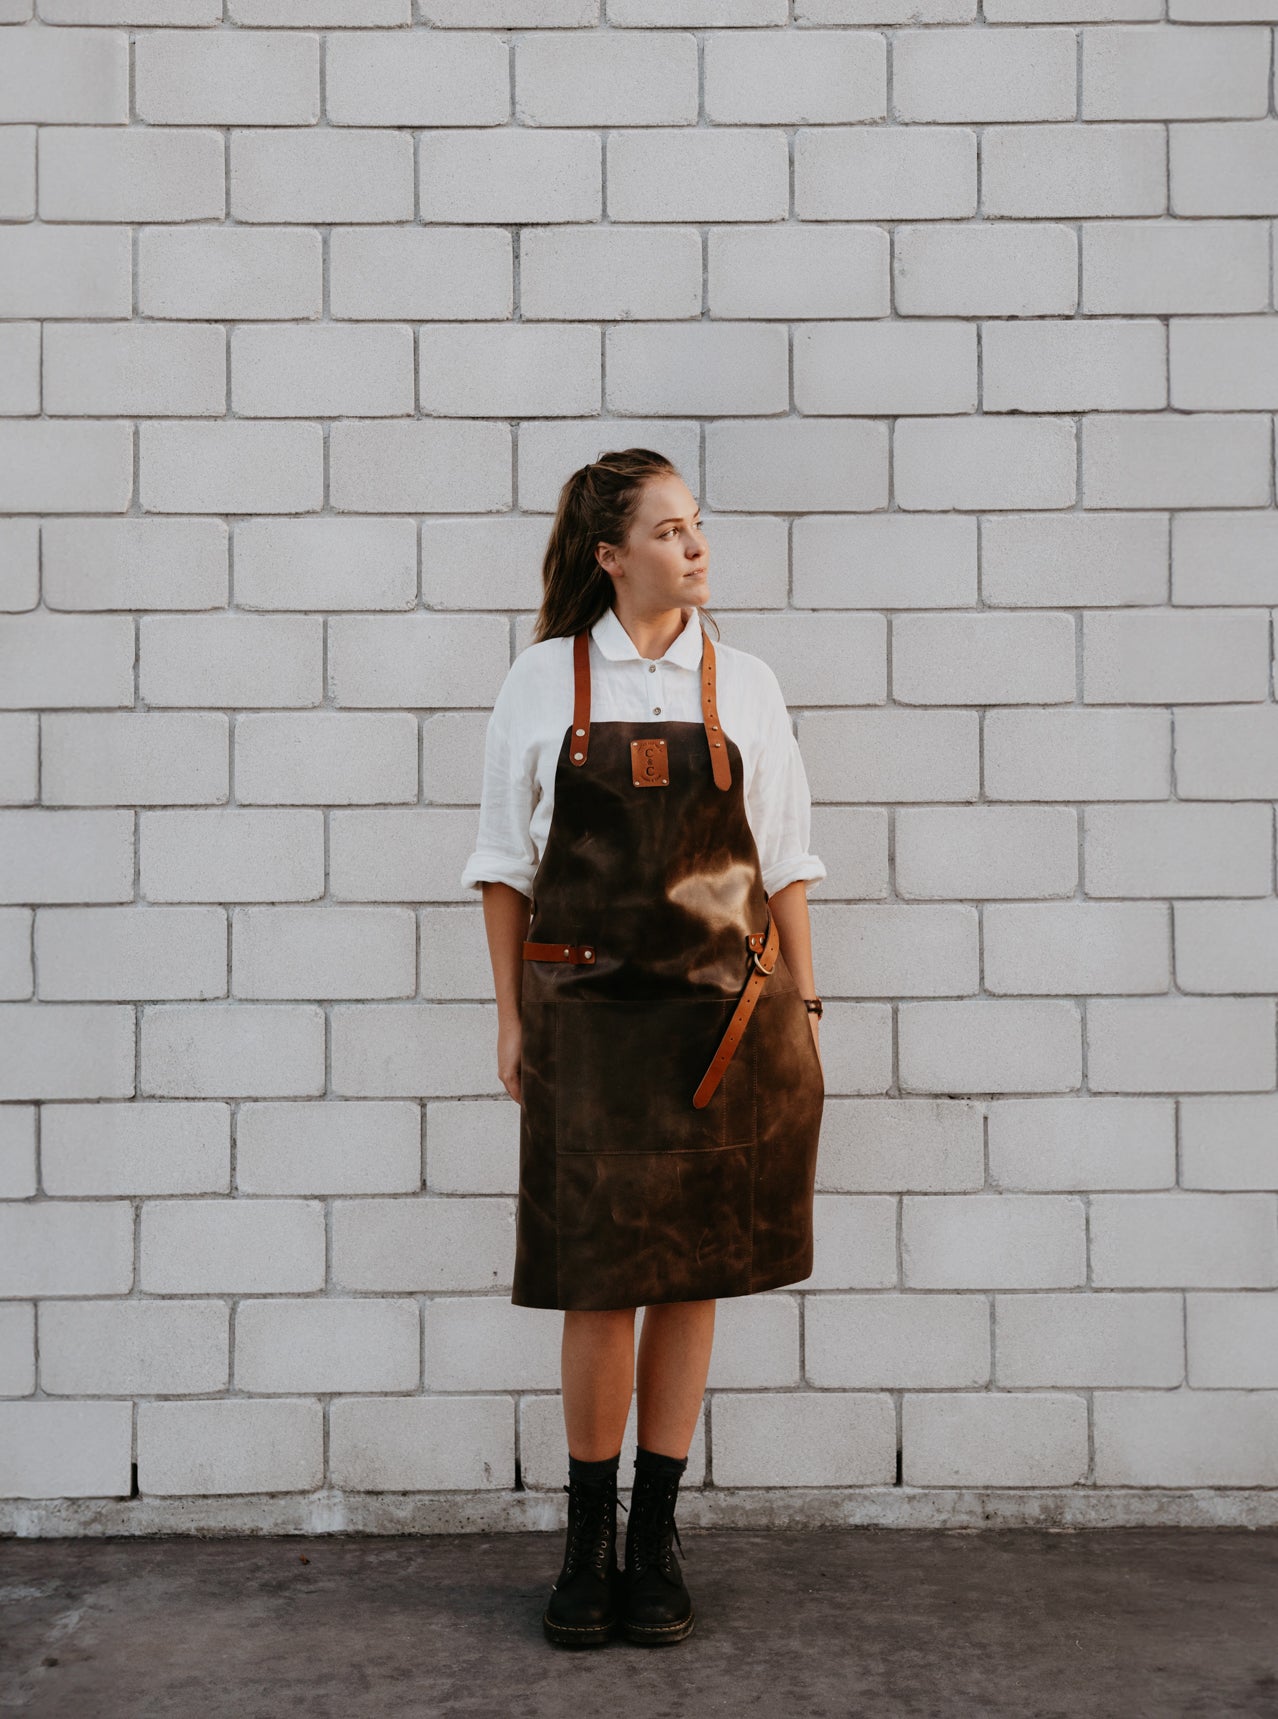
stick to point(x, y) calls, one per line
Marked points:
point(674, 1359)
point(598, 1364)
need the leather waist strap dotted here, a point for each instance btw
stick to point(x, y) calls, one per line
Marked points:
point(763, 953)
point(763, 964)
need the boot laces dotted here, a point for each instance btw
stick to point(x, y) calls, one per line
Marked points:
point(591, 1528)
point(652, 1526)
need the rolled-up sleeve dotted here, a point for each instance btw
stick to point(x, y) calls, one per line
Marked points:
point(779, 800)
point(504, 851)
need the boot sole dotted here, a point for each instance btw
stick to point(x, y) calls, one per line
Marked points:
point(658, 1635)
point(578, 1635)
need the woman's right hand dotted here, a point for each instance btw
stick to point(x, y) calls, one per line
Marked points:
point(510, 1045)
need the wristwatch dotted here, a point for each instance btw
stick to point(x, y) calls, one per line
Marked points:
point(814, 1006)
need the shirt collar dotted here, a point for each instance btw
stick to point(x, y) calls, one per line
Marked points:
point(616, 644)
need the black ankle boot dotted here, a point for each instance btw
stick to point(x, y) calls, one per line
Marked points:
point(584, 1607)
point(658, 1607)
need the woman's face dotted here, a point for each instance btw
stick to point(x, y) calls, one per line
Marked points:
point(665, 562)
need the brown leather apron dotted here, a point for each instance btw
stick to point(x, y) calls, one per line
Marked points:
point(672, 1091)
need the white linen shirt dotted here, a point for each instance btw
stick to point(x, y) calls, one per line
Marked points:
point(534, 708)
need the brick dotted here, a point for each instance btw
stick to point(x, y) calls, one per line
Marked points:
point(118, 1348)
point(17, 1155)
point(230, 272)
point(325, 563)
point(1179, 1240)
point(1226, 362)
point(1225, 557)
point(423, 1444)
point(434, 1245)
point(327, 1343)
point(16, 973)
point(327, 1148)
point(791, 269)
point(986, 852)
point(321, 175)
point(1180, 849)
point(19, 564)
point(878, 368)
point(135, 173)
point(975, 76)
point(328, 951)
point(1076, 754)
point(417, 78)
point(227, 77)
point(135, 368)
point(1173, 71)
point(17, 1349)
point(1088, 1340)
point(994, 1438)
point(231, 465)
point(794, 77)
point(610, 272)
point(135, 758)
point(882, 173)
point(232, 855)
point(405, 855)
point(50, 856)
point(985, 462)
point(232, 1050)
point(509, 174)
point(53, 271)
point(984, 658)
point(51, 660)
point(65, 77)
point(1202, 459)
point(801, 1438)
point(992, 1241)
point(1082, 1142)
point(1074, 170)
point(413, 1050)
point(425, 466)
point(1180, 1044)
point(325, 371)
point(135, 1149)
point(135, 563)
point(326, 757)
point(1076, 948)
point(50, 466)
point(1166, 267)
point(66, 1050)
point(1228, 1142)
point(65, 1450)
point(229, 660)
point(19, 754)
point(415, 661)
point(73, 1247)
point(1186, 1438)
point(605, 78)
point(719, 173)
point(1224, 167)
point(1232, 1341)
point(1031, 560)
point(126, 954)
point(882, 1342)
point(232, 1247)
point(472, 1148)
point(424, 273)
point(235, 1446)
point(500, 369)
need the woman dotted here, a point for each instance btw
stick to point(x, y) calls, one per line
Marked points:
point(643, 870)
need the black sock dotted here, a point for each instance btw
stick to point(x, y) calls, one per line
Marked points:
point(604, 1469)
point(657, 1462)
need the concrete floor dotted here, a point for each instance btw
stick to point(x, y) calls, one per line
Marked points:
point(833, 1624)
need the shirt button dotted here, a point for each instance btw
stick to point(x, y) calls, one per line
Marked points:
point(656, 710)
point(652, 668)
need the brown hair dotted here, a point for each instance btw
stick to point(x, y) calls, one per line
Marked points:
point(597, 505)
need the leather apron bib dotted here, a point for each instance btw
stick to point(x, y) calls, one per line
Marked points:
point(669, 1130)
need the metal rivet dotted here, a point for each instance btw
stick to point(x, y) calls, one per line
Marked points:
point(567, 951)
point(579, 731)
point(579, 756)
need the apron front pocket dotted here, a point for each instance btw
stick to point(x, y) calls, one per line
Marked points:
point(626, 1070)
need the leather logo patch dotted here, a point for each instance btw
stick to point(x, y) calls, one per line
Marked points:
point(649, 766)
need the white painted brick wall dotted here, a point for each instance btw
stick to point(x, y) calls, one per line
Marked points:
point(964, 333)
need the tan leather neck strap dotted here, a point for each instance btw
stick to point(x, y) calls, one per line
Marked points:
point(580, 747)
